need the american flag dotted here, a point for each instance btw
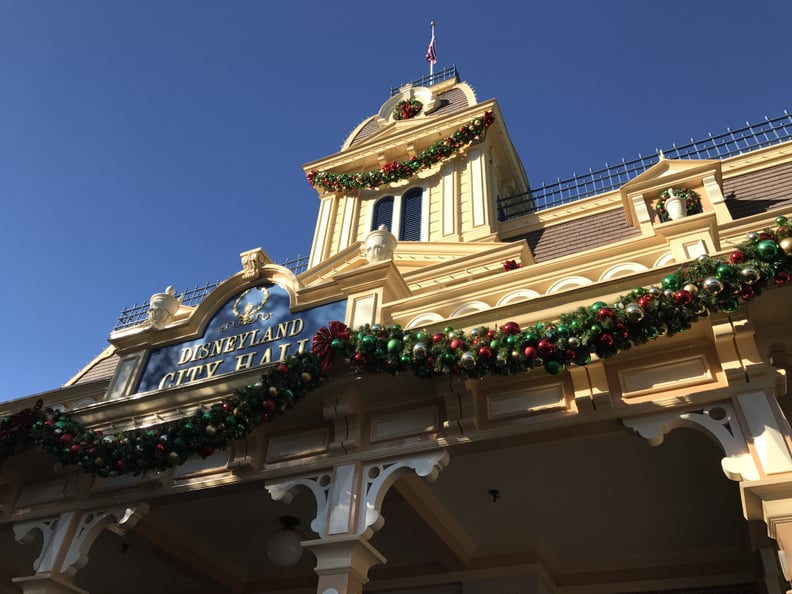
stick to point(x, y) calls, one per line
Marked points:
point(431, 56)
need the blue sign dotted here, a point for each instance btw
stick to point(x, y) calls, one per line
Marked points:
point(251, 329)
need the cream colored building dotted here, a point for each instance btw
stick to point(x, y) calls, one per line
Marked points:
point(536, 453)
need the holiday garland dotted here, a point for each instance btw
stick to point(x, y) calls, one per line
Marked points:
point(692, 202)
point(396, 171)
point(697, 289)
point(404, 110)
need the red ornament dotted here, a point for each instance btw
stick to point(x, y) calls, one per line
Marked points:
point(75, 448)
point(283, 369)
point(683, 297)
point(737, 257)
point(485, 352)
point(569, 355)
point(437, 337)
point(66, 438)
point(456, 343)
point(530, 352)
point(765, 235)
point(621, 330)
point(545, 347)
point(606, 340)
point(490, 334)
point(747, 292)
point(644, 301)
point(781, 277)
point(604, 313)
point(511, 328)
point(359, 359)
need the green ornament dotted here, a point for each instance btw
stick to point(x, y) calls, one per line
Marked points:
point(781, 220)
point(729, 305)
point(531, 339)
point(419, 336)
point(672, 281)
point(595, 307)
point(511, 340)
point(336, 344)
point(394, 345)
point(638, 291)
point(405, 359)
point(494, 344)
point(554, 367)
point(723, 271)
point(368, 342)
point(596, 329)
point(563, 330)
point(767, 249)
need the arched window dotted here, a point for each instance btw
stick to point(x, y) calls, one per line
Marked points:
point(383, 213)
point(411, 210)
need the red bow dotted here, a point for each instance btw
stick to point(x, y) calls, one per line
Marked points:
point(323, 339)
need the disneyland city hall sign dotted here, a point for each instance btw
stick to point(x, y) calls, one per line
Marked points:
point(253, 328)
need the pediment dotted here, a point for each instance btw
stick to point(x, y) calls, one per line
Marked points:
point(669, 172)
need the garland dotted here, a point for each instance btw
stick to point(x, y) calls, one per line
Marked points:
point(406, 109)
point(395, 171)
point(697, 288)
point(692, 202)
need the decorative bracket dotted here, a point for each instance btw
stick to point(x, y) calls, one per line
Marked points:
point(718, 421)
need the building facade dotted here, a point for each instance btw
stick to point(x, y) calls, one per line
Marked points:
point(475, 386)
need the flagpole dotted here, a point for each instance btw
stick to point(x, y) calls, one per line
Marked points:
point(431, 62)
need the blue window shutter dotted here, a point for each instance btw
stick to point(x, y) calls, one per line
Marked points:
point(410, 228)
point(383, 213)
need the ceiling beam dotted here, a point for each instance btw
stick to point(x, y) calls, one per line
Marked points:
point(417, 494)
point(184, 548)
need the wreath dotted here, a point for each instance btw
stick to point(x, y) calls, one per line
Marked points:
point(692, 202)
point(406, 109)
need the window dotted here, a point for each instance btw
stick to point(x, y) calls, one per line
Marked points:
point(410, 228)
point(401, 214)
point(383, 213)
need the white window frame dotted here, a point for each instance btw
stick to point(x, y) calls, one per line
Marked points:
point(397, 210)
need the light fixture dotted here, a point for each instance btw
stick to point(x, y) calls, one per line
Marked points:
point(283, 548)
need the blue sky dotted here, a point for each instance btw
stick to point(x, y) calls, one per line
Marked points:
point(146, 144)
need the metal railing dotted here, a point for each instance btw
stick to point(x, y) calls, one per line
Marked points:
point(137, 313)
point(428, 80)
point(729, 144)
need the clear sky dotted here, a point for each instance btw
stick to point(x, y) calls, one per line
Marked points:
point(147, 143)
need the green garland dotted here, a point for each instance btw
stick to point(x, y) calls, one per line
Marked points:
point(395, 171)
point(698, 288)
point(692, 202)
point(406, 109)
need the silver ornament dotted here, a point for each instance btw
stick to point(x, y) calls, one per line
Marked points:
point(750, 275)
point(713, 285)
point(573, 342)
point(634, 312)
point(668, 292)
point(467, 360)
point(654, 291)
point(419, 350)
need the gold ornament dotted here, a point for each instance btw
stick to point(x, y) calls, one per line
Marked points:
point(786, 245)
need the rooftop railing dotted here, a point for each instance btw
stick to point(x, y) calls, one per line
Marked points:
point(729, 144)
point(428, 80)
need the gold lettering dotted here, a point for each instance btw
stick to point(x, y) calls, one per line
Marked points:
point(283, 328)
point(203, 351)
point(244, 361)
point(297, 327)
point(217, 347)
point(185, 355)
point(267, 336)
point(230, 344)
point(301, 344)
point(266, 356)
point(211, 368)
point(283, 348)
point(166, 381)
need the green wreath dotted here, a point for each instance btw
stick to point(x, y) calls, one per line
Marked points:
point(407, 109)
point(692, 202)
